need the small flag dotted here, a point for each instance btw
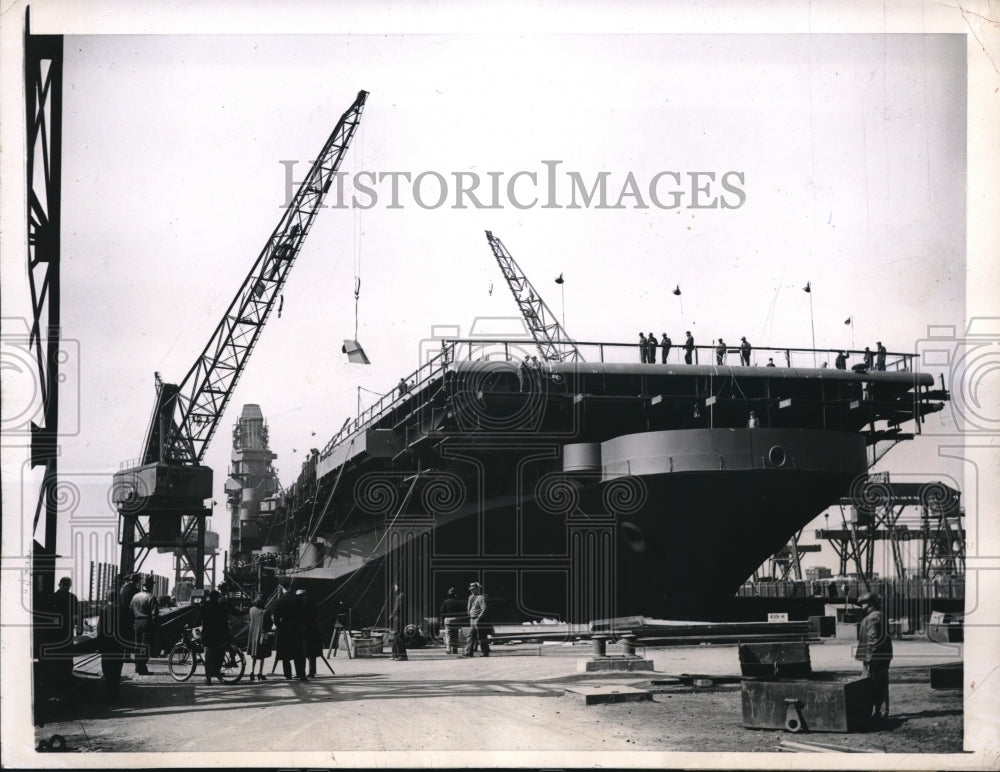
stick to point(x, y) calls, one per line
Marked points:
point(808, 287)
point(848, 320)
point(560, 280)
point(677, 290)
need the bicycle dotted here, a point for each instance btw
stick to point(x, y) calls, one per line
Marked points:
point(189, 651)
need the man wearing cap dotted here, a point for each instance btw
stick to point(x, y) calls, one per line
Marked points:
point(145, 613)
point(875, 651)
point(476, 608)
point(452, 610)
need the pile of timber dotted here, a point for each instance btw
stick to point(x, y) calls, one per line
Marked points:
point(658, 632)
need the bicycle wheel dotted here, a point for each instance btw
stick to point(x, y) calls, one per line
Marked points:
point(181, 662)
point(233, 665)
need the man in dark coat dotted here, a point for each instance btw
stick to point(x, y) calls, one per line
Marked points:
point(288, 622)
point(643, 348)
point(452, 613)
point(110, 644)
point(312, 642)
point(745, 349)
point(214, 634)
point(67, 607)
point(651, 349)
point(875, 651)
point(397, 623)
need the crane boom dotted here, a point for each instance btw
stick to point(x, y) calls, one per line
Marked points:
point(193, 412)
point(552, 341)
point(169, 484)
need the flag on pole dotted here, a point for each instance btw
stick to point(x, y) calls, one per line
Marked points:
point(808, 287)
point(848, 320)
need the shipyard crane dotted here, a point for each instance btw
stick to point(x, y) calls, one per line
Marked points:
point(169, 484)
point(552, 341)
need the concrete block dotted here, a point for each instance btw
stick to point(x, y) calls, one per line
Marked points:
point(601, 664)
point(597, 695)
point(820, 706)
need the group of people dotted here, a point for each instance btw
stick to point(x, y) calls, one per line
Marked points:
point(873, 360)
point(454, 612)
point(295, 621)
point(648, 345)
point(126, 629)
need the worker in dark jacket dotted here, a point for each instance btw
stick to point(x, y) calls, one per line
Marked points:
point(875, 650)
point(288, 622)
point(452, 612)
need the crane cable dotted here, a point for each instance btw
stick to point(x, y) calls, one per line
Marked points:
point(358, 233)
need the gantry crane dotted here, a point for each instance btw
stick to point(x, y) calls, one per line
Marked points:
point(169, 484)
point(552, 341)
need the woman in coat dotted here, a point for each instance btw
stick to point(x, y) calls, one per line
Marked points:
point(259, 637)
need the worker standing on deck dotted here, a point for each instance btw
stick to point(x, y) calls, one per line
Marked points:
point(288, 620)
point(869, 357)
point(146, 614)
point(880, 356)
point(720, 352)
point(643, 350)
point(665, 344)
point(452, 610)
point(875, 651)
point(841, 362)
point(745, 349)
point(476, 608)
point(651, 349)
point(688, 347)
point(397, 622)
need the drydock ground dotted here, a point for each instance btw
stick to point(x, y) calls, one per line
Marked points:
point(516, 700)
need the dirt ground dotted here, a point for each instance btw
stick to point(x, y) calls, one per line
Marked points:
point(514, 701)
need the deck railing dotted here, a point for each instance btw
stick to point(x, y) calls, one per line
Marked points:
point(517, 350)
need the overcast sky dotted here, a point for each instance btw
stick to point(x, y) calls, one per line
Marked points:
point(845, 157)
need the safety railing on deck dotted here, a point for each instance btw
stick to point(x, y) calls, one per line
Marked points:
point(516, 351)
